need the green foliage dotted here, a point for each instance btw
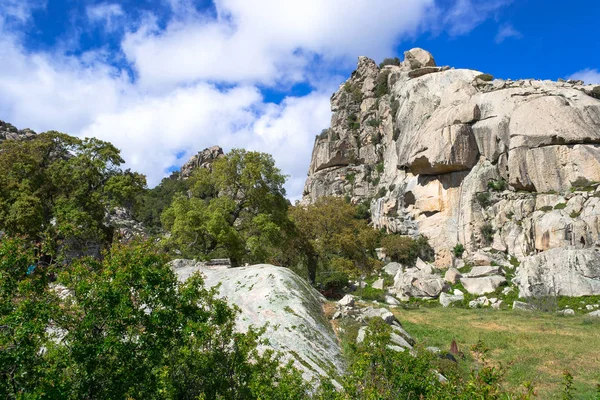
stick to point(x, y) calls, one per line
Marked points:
point(487, 233)
point(497, 186)
point(389, 61)
point(485, 77)
point(374, 122)
point(237, 210)
point(406, 250)
point(392, 187)
point(381, 84)
point(350, 177)
point(353, 122)
point(381, 193)
point(458, 250)
point(129, 329)
point(332, 281)
point(568, 390)
point(379, 168)
point(55, 190)
point(376, 372)
point(560, 206)
point(332, 232)
point(154, 201)
point(363, 210)
point(371, 294)
point(546, 208)
point(323, 135)
point(375, 139)
point(583, 185)
point(514, 261)
point(574, 214)
point(484, 199)
point(354, 91)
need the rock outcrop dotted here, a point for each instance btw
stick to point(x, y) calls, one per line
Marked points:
point(460, 157)
point(9, 132)
point(297, 326)
point(203, 159)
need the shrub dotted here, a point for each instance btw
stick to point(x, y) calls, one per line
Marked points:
point(381, 193)
point(406, 250)
point(374, 122)
point(354, 91)
point(485, 77)
point(390, 61)
point(323, 135)
point(458, 250)
point(574, 214)
point(375, 182)
point(560, 206)
point(487, 232)
point(363, 210)
point(546, 208)
point(381, 88)
point(497, 186)
point(350, 177)
point(372, 294)
point(392, 187)
point(332, 281)
point(583, 185)
point(353, 122)
point(484, 199)
point(375, 139)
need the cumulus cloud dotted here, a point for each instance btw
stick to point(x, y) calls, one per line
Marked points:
point(105, 13)
point(193, 80)
point(506, 32)
point(588, 75)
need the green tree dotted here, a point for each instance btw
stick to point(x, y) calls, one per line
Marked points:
point(55, 190)
point(127, 329)
point(237, 210)
point(335, 236)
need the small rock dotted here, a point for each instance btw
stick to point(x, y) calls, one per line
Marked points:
point(493, 300)
point(589, 307)
point(392, 268)
point(594, 314)
point(391, 300)
point(507, 290)
point(567, 311)
point(434, 350)
point(474, 304)
point(497, 305)
point(337, 315)
point(378, 284)
point(347, 301)
point(483, 285)
point(519, 305)
point(447, 299)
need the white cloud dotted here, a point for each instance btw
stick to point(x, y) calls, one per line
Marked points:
point(589, 76)
point(19, 10)
point(465, 15)
point(268, 41)
point(172, 105)
point(506, 32)
point(105, 13)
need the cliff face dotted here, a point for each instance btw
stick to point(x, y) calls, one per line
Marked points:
point(462, 158)
point(9, 132)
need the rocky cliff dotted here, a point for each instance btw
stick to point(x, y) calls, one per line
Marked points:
point(460, 157)
point(9, 132)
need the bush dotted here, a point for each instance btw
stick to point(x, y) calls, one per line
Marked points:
point(332, 281)
point(546, 208)
point(375, 139)
point(381, 88)
point(379, 167)
point(371, 294)
point(390, 61)
point(350, 177)
point(485, 77)
point(406, 250)
point(458, 250)
point(484, 199)
point(353, 122)
point(381, 193)
point(374, 122)
point(583, 185)
point(497, 186)
point(560, 206)
point(354, 91)
point(487, 233)
point(363, 210)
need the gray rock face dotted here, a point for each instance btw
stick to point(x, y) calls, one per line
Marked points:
point(420, 281)
point(509, 165)
point(9, 132)
point(483, 285)
point(447, 299)
point(560, 272)
point(203, 159)
point(292, 308)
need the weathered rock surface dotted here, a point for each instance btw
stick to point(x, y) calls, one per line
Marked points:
point(292, 308)
point(420, 281)
point(560, 272)
point(447, 299)
point(9, 132)
point(203, 159)
point(482, 285)
point(509, 165)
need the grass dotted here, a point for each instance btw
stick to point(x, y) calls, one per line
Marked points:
point(536, 347)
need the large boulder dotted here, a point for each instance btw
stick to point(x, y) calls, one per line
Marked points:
point(293, 310)
point(482, 285)
point(560, 272)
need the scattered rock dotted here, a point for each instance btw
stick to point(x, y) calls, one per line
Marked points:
point(392, 268)
point(479, 286)
point(347, 301)
point(519, 305)
point(378, 284)
point(567, 311)
point(452, 276)
point(391, 300)
point(447, 299)
point(594, 314)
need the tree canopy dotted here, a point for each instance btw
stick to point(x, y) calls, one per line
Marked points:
point(235, 209)
point(55, 190)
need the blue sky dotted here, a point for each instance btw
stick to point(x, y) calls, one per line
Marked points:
point(163, 79)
